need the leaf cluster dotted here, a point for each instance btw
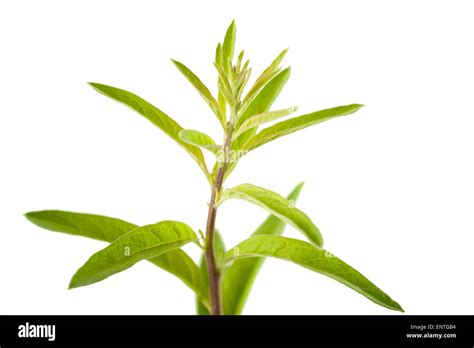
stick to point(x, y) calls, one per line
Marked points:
point(244, 112)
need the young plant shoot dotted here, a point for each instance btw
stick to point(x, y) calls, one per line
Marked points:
point(223, 279)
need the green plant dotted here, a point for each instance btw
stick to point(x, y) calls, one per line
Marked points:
point(224, 278)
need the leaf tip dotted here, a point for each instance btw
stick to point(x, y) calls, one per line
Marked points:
point(285, 73)
point(78, 280)
point(230, 36)
point(75, 281)
point(31, 215)
point(174, 61)
point(282, 55)
point(72, 284)
point(398, 308)
point(95, 85)
point(295, 193)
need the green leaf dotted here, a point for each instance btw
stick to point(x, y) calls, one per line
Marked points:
point(267, 75)
point(238, 278)
point(200, 139)
point(242, 80)
point(257, 120)
point(276, 205)
point(92, 226)
point(220, 97)
point(156, 116)
point(201, 88)
point(274, 65)
point(219, 253)
point(315, 259)
point(228, 47)
point(142, 243)
point(239, 61)
point(262, 103)
point(219, 59)
point(107, 229)
point(224, 86)
point(222, 104)
point(297, 123)
point(219, 249)
point(201, 308)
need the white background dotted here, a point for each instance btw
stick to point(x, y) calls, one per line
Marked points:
point(391, 187)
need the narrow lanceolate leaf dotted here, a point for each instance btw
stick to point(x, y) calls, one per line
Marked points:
point(271, 70)
point(269, 73)
point(219, 254)
point(297, 123)
point(201, 88)
point(156, 116)
point(219, 249)
point(228, 47)
point(278, 206)
point(313, 258)
point(201, 308)
point(262, 103)
point(239, 60)
point(220, 97)
point(238, 278)
point(224, 86)
point(262, 118)
point(219, 58)
point(139, 244)
point(200, 139)
point(107, 229)
point(87, 225)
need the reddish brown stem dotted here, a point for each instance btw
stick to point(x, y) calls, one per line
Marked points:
point(212, 269)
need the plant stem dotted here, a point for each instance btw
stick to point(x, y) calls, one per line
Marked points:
point(212, 269)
